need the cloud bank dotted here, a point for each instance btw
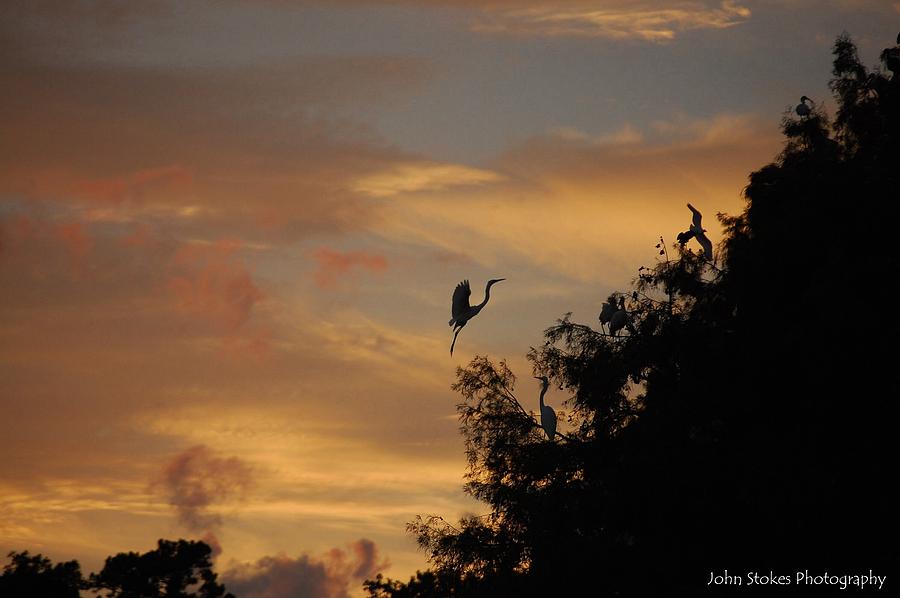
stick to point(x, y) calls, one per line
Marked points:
point(332, 575)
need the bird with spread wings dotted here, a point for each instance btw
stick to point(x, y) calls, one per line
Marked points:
point(696, 231)
point(461, 311)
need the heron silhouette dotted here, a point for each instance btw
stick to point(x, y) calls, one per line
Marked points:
point(548, 415)
point(891, 57)
point(606, 312)
point(802, 109)
point(461, 311)
point(619, 319)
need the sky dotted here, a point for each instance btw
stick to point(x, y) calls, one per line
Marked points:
point(230, 231)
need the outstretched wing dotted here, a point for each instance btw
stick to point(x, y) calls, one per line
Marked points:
point(686, 236)
point(698, 217)
point(460, 300)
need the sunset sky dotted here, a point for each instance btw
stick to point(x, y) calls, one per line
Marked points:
point(230, 231)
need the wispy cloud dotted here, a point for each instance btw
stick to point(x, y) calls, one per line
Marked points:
point(573, 199)
point(335, 266)
point(421, 176)
point(648, 21)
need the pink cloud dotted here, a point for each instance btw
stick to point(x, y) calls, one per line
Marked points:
point(330, 576)
point(39, 245)
point(141, 235)
point(134, 185)
point(213, 284)
point(74, 237)
point(196, 480)
point(334, 265)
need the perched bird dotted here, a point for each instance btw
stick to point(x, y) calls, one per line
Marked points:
point(608, 309)
point(891, 57)
point(802, 109)
point(461, 310)
point(696, 231)
point(619, 319)
point(548, 415)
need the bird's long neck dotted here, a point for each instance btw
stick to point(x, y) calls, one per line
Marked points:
point(487, 295)
point(543, 392)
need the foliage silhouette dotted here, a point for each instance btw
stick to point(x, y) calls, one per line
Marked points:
point(746, 419)
point(177, 569)
point(28, 575)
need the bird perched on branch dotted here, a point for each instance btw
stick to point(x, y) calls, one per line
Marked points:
point(548, 415)
point(608, 309)
point(802, 109)
point(619, 319)
point(696, 231)
point(891, 57)
point(461, 311)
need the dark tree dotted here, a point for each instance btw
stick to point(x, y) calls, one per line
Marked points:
point(179, 569)
point(26, 576)
point(747, 419)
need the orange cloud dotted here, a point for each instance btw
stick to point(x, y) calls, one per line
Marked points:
point(329, 576)
point(214, 285)
point(658, 21)
point(646, 20)
point(422, 176)
point(334, 265)
point(571, 200)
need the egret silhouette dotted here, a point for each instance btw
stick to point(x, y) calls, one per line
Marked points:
point(802, 109)
point(892, 57)
point(548, 415)
point(619, 319)
point(607, 311)
point(696, 231)
point(461, 310)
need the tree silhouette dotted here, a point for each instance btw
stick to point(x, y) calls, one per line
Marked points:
point(178, 569)
point(745, 421)
point(28, 575)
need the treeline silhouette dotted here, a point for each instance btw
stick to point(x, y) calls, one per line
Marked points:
point(747, 420)
point(175, 569)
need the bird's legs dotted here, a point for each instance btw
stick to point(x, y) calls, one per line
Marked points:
point(455, 334)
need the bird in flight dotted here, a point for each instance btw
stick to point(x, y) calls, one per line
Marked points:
point(461, 311)
point(696, 231)
point(548, 415)
point(802, 108)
